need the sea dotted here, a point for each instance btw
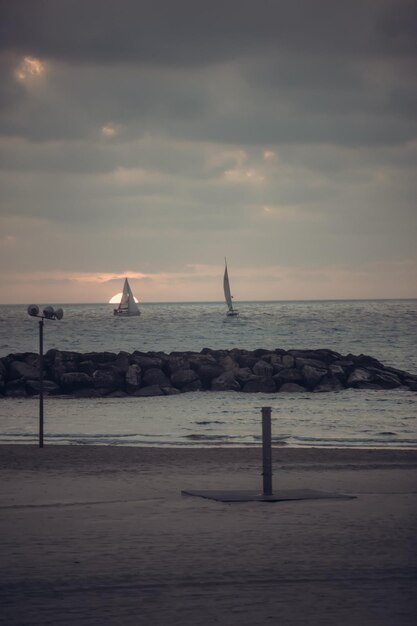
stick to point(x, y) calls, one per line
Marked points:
point(384, 329)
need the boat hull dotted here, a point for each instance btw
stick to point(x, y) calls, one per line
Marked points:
point(125, 313)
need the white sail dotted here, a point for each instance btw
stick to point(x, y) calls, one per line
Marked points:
point(227, 294)
point(127, 304)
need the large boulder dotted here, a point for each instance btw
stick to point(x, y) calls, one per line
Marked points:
point(155, 376)
point(246, 360)
point(288, 361)
point(387, 380)
point(20, 369)
point(291, 388)
point(243, 375)
point(71, 381)
point(329, 382)
point(263, 369)
point(312, 375)
point(150, 390)
point(177, 362)
point(300, 362)
point(260, 384)
point(122, 362)
point(288, 375)
point(145, 362)
point(109, 379)
point(133, 378)
point(49, 387)
point(15, 388)
point(225, 382)
point(186, 380)
point(358, 377)
point(206, 373)
point(88, 367)
point(228, 364)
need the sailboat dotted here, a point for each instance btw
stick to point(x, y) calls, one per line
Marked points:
point(127, 306)
point(228, 296)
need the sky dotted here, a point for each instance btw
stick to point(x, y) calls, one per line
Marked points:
point(152, 138)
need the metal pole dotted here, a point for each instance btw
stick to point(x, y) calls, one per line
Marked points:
point(41, 383)
point(266, 451)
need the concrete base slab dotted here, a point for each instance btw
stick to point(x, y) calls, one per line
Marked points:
point(256, 496)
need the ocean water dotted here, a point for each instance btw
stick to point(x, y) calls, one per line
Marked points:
point(386, 330)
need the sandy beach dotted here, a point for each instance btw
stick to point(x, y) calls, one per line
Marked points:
point(103, 535)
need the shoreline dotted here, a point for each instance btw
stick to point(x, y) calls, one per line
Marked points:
point(19, 456)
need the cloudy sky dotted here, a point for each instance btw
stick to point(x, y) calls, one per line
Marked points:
point(152, 138)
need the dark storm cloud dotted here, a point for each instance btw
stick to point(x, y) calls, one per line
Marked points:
point(230, 72)
point(189, 31)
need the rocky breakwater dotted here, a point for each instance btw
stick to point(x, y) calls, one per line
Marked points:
point(97, 374)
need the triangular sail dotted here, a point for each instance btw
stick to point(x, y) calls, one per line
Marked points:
point(226, 287)
point(127, 304)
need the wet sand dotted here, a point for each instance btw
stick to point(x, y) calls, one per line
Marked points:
point(102, 535)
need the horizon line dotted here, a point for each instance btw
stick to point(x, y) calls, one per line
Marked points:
point(403, 299)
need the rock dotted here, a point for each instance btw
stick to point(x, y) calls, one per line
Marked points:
point(386, 380)
point(133, 377)
point(228, 364)
point(276, 362)
point(155, 376)
point(291, 388)
point(322, 354)
point(122, 362)
point(206, 373)
point(288, 361)
point(313, 375)
point(177, 362)
point(71, 381)
point(262, 368)
point(261, 384)
point(182, 379)
point(243, 374)
point(65, 356)
point(337, 371)
point(20, 369)
point(99, 357)
point(290, 375)
point(49, 387)
point(358, 377)
point(109, 379)
point(225, 382)
point(260, 352)
point(170, 391)
point(246, 360)
point(370, 386)
point(15, 388)
point(150, 390)
point(329, 382)
point(102, 373)
point(88, 367)
point(300, 362)
point(145, 362)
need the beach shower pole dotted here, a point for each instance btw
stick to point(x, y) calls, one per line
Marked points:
point(50, 314)
point(266, 451)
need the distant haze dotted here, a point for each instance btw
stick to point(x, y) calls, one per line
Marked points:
point(151, 139)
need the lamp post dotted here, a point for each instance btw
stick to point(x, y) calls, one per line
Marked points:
point(50, 314)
